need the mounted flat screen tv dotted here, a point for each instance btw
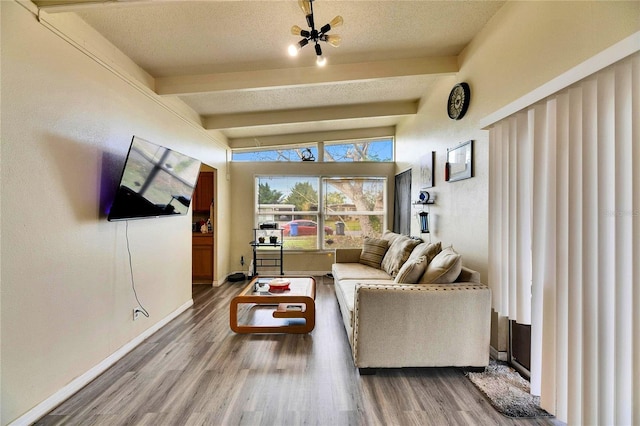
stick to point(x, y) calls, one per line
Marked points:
point(156, 181)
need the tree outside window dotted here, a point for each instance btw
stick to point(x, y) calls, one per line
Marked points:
point(355, 208)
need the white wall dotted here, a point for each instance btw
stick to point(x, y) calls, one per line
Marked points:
point(66, 294)
point(525, 45)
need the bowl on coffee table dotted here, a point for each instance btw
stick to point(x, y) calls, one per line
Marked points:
point(278, 285)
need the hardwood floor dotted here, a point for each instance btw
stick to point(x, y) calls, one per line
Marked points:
point(196, 371)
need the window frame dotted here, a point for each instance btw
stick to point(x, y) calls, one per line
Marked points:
point(318, 216)
point(318, 150)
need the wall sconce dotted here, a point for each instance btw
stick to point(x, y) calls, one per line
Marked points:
point(424, 222)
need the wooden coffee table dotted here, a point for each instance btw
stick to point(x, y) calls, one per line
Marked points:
point(292, 311)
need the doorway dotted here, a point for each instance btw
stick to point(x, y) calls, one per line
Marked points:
point(204, 227)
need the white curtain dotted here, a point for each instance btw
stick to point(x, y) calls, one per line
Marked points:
point(565, 242)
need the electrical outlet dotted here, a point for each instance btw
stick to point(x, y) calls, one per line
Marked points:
point(136, 313)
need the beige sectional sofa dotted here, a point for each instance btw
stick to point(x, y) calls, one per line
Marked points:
point(442, 318)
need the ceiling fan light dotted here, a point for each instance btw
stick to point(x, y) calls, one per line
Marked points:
point(305, 6)
point(296, 30)
point(336, 22)
point(314, 35)
point(333, 39)
point(310, 22)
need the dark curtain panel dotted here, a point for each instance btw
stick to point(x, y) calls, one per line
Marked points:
point(402, 204)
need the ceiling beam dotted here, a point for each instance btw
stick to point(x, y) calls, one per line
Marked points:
point(291, 77)
point(63, 6)
point(311, 137)
point(304, 115)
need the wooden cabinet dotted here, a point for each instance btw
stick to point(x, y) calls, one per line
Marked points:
point(202, 258)
point(203, 249)
point(203, 194)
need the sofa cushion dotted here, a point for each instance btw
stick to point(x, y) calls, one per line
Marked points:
point(373, 251)
point(357, 271)
point(429, 250)
point(444, 268)
point(390, 236)
point(345, 293)
point(412, 270)
point(398, 253)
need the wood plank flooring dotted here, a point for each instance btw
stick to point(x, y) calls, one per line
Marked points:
point(196, 371)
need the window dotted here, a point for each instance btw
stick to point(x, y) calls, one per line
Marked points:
point(379, 150)
point(354, 208)
point(373, 150)
point(284, 154)
point(292, 203)
point(322, 213)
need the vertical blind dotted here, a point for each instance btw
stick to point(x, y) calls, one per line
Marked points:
point(564, 251)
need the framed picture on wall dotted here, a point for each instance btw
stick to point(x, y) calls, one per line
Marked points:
point(459, 162)
point(427, 176)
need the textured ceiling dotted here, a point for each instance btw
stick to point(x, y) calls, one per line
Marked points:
point(244, 43)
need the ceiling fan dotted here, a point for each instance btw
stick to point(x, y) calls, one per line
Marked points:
point(313, 35)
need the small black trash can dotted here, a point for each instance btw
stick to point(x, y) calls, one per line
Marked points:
point(339, 228)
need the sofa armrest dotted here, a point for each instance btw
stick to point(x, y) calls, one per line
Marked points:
point(427, 325)
point(348, 255)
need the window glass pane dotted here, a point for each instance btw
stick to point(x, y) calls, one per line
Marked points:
point(292, 202)
point(353, 208)
point(363, 150)
point(347, 230)
point(289, 154)
point(301, 233)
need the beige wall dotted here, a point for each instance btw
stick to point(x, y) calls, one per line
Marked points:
point(66, 292)
point(525, 45)
point(242, 204)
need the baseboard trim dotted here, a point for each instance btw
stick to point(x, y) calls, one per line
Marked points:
point(521, 369)
point(495, 354)
point(78, 383)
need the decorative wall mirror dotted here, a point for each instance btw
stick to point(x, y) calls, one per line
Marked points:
point(459, 162)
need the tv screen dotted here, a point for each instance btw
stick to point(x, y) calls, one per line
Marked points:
point(156, 181)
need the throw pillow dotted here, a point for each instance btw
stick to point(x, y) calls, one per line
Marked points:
point(444, 268)
point(373, 251)
point(429, 250)
point(411, 271)
point(390, 236)
point(397, 254)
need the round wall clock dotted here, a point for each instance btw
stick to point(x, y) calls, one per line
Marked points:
point(458, 101)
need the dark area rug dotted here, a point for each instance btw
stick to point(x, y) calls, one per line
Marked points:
point(507, 391)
